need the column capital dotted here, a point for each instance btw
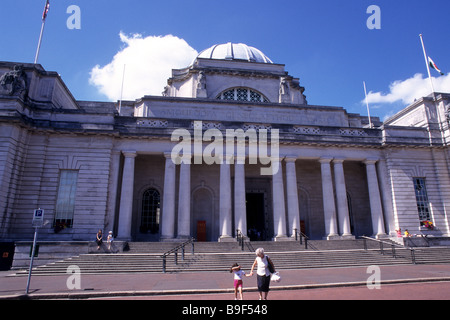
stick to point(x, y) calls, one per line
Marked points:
point(338, 160)
point(325, 160)
point(129, 154)
point(370, 161)
point(240, 159)
point(226, 159)
point(168, 155)
point(290, 158)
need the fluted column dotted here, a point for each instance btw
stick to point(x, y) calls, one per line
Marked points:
point(126, 197)
point(184, 199)
point(168, 210)
point(341, 198)
point(240, 209)
point(225, 218)
point(329, 208)
point(375, 199)
point(279, 208)
point(292, 195)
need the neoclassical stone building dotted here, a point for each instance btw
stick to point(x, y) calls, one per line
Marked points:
point(159, 168)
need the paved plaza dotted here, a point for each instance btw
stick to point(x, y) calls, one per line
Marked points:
point(197, 285)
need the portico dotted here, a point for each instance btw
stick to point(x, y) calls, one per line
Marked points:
point(229, 205)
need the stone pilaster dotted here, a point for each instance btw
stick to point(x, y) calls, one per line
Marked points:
point(126, 198)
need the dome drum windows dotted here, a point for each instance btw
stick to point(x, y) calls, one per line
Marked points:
point(242, 94)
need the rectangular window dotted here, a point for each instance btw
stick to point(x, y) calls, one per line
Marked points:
point(423, 205)
point(65, 203)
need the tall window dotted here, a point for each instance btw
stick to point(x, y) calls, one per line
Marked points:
point(150, 212)
point(423, 205)
point(242, 94)
point(65, 202)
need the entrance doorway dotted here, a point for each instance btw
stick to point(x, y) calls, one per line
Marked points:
point(256, 217)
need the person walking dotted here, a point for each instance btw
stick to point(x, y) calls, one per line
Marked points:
point(238, 277)
point(264, 267)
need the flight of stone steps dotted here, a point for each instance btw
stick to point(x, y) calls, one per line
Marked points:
point(146, 257)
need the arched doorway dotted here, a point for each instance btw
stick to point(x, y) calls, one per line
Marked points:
point(202, 214)
point(150, 214)
point(257, 221)
point(303, 200)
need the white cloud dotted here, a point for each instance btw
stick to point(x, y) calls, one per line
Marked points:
point(408, 90)
point(149, 62)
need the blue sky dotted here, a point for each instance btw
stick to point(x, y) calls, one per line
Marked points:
point(325, 43)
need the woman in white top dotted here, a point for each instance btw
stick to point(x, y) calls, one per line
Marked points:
point(263, 274)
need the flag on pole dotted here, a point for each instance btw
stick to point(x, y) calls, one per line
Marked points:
point(45, 13)
point(434, 66)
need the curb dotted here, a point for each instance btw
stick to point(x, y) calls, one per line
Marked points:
point(91, 295)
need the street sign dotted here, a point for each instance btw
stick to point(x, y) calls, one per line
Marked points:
point(38, 222)
point(38, 218)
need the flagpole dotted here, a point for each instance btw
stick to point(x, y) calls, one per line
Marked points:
point(426, 62)
point(367, 103)
point(432, 88)
point(39, 43)
point(44, 17)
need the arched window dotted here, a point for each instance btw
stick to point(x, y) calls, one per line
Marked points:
point(150, 212)
point(242, 94)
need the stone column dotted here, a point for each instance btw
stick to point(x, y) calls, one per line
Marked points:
point(225, 218)
point(292, 195)
point(168, 209)
point(279, 209)
point(240, 209)
point(341, 199)
point(126, 197)
point(375, 199)
point(184, 199)
point(329, 208)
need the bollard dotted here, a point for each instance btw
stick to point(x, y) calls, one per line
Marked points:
point(164, 264)
point(413, 256)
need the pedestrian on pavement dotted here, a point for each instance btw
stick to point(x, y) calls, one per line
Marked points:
point(264, 268)
point(238, 283)
point(99, 239)
point(110, 240)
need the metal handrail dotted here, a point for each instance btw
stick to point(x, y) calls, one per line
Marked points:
point(240, 238)
point(298, 234)
point(175, 252)
point(394, 254)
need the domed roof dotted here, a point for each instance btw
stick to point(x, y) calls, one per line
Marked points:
point(234, 51)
